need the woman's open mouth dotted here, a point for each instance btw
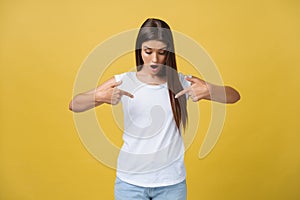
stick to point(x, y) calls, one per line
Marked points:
point(153, 66)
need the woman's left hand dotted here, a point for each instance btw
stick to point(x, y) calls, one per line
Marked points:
point(198, 90)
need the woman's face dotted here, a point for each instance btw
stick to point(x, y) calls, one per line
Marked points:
point(154, 54)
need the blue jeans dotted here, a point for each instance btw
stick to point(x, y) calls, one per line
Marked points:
point(126, 191)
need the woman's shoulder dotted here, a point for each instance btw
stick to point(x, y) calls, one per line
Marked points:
point(123, 75)
point(182, 79)
point(183, 75)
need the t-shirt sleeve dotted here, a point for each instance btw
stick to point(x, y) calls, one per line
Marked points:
point(119, 77)
point(127, 84)
point(184, 82)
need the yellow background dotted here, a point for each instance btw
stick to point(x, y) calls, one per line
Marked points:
point(255, 45)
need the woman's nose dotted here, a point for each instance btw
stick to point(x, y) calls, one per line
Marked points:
point(154, 57)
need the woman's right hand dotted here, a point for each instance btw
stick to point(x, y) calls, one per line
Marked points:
point(110, 93)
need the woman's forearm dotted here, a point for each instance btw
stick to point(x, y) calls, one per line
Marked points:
point(223, 94)
point(83, 102)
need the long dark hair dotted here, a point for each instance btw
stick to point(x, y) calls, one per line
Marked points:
point(156, 29)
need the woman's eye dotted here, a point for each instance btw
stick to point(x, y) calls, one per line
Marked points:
point(162, 52)
point(148, 52)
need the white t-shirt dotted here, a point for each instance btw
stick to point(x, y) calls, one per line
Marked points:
point(152, 154)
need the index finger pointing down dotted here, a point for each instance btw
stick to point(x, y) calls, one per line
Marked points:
point(182, 92)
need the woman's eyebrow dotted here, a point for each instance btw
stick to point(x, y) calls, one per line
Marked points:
point(163, 48)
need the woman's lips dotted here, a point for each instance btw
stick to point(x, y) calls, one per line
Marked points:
point(153, 66)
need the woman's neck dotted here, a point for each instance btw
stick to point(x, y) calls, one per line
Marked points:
point(152, 79)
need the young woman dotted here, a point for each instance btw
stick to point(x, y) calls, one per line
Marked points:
point(151, 160)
